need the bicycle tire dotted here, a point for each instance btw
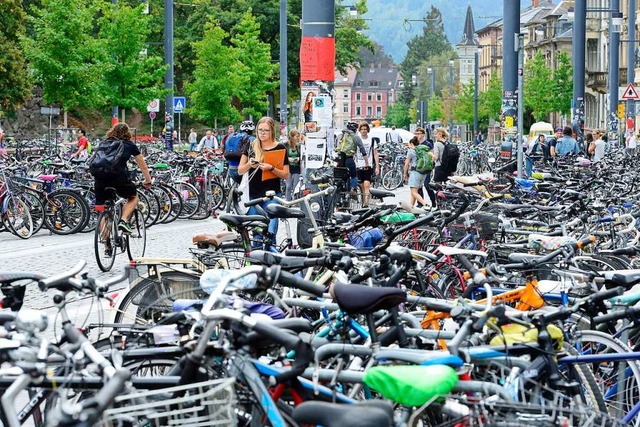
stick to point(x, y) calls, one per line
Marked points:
point(105, 232)
point(36, 209)
point(392, 179)
point(607, 344)
point(66, 213)
point(165, 202)
point(16, 217)
point(588, 381)
point(137, 239)
point(176, 204)
point(152, 206)
point(190, 200)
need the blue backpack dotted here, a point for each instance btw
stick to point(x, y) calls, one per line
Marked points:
point(236, 145)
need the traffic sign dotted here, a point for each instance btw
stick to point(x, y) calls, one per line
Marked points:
point(152, 115)
point(153, 106)
point(179, 104)
point(630, 92)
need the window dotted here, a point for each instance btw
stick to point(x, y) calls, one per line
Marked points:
point(345, 93)
point(359, 83)
point(379, 111)
point(592, 55)
point(379, 96)
point(369, 111)
point(358, 96)
point(345, 107)
point(358, 110)
point(369, 96)
point(401, 83)
point(374, 83)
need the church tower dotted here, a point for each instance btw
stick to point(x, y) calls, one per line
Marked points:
point(467, 48)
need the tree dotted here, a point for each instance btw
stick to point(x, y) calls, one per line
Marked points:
point(132, 77)
point(350, 37)
point(436, 109)
point(254, 69)
point(15, 85)
point(397, 115)
point(490, 101)
point(562, 85)
point(432, 42)
point(63, 54)
point(463, 110)
point(214, 86)
point(538, 92)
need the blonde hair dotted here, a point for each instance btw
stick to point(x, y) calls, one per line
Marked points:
point(443, 131)
point(256, 145)
point(292, 138)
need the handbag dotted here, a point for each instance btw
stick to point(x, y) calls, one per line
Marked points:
point(244, 188)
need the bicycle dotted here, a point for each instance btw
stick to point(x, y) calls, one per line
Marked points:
point(108, 239)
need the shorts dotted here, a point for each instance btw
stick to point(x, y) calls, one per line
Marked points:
point(124, 189)
point(365, 174)
point(416, 179)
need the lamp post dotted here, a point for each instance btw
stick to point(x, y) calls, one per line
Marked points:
point(475, 91)
point(451, 62)
point(432, 76)
point(631, 53)
point(615, 22)
point(421, 104)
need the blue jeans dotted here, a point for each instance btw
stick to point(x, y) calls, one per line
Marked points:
point(529, 164)
point(273, 224)
point(192, 146)
point(353, 172)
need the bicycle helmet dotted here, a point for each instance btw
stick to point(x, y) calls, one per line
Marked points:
point(247, 126)
point(352, 126)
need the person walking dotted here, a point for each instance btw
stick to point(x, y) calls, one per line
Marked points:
point(439, 174)
point(295, 169)
point(565, 145)
point(414, 178)
point(208, 141)
point(421, 134)
point(193, 140)
point(264, 176)
point(83, 146)
point(630, 144)
point(597, 147)
point(367, 165)
point(230, 131)
point(349, 143)
point(534, 152)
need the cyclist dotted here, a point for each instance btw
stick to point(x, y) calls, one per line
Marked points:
point(349, 143)
point(235, 145)
point(113, 171)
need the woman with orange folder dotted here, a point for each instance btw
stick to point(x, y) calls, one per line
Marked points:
point(267, 163)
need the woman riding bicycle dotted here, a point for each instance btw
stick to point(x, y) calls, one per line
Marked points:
point(266, 162)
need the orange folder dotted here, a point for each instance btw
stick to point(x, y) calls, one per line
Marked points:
point(275, 158)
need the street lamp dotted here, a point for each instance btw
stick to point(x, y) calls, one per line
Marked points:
point(432, 77)
point(475, 92)
point(451, 62)
point(422, 107)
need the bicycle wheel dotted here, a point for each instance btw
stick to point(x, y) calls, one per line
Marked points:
point(190, 200)
point(216, 195)
point(137, 240)
point(392, 179)
point(66, 212)
point(176, 204)
point(16, 217)
point(165, 202)
point(36, 209)
point(104, 241)
point(618, 380)
point(152, 206)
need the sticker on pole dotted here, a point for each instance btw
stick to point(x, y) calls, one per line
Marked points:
point(153, 106)
point(630, 92)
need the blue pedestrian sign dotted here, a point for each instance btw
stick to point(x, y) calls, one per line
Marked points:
point(179, 104)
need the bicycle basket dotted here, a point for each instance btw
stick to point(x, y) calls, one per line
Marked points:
point(487, 225)
point(209, 403)
point(341, 173)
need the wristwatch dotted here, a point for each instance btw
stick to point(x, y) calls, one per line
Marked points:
point(272, 167)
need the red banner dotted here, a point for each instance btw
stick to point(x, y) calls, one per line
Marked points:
point(317, 58)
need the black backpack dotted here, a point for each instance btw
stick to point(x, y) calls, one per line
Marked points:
point(450, 157)
point(108, 159)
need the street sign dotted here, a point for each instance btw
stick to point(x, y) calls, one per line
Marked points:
point(153, 106)
point(179, 104)
point(50, 111)
point(152, 115)
point(630, 92)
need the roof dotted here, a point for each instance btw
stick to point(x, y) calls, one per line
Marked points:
point(468, 34)
point(346, 80)
point(386, 77)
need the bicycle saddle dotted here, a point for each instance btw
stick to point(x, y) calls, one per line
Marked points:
point(626, 278)
point(279, 211)
point(377, 193)
point(237, 221)
point(216, 239)
point(361, 299)
point(375, 413)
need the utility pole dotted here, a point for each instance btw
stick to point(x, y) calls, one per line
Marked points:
point(631, 55)
point(475, 91)
point(579, 36)
point(510, 65)
point(614, 65)
point(114, 109)
point(520, 45)
point(451, 63)
point(283, 65)
point(168, 56)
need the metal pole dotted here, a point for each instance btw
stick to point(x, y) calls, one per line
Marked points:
point(614, 65)
point(433, 83)
point(631, 55)
point(520, 101)
point(511, 11)
point(283, 62)
point(114, 109)
point(579, 36)
point(475, 96)
point(168, 56)
point(451, 96)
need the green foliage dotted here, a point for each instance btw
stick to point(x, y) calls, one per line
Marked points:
point(490, 101)
point(350, 37)
point(436, 109)
point(397, 115)
point(131, 76)
point(431, 43)
point(538, 92)
point(15, 85)
point(65, 58)
point(464, 107)
point(562, 84)
point(215, 79)
point(254, 68)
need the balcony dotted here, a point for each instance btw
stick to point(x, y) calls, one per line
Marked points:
point(598, 80)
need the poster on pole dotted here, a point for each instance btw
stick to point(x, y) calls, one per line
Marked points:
point(315, 149)
point(308, 93)
point(323, 111)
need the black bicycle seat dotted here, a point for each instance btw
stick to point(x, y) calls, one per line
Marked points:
point(377, 193)
point(237, 221)
point(279, 211)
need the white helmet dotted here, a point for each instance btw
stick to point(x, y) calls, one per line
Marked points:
point(247, 126)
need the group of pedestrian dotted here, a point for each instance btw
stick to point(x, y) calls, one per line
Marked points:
point(212, 141)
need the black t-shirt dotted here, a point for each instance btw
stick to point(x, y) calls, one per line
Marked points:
point(258, 187)
point(130, 150)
